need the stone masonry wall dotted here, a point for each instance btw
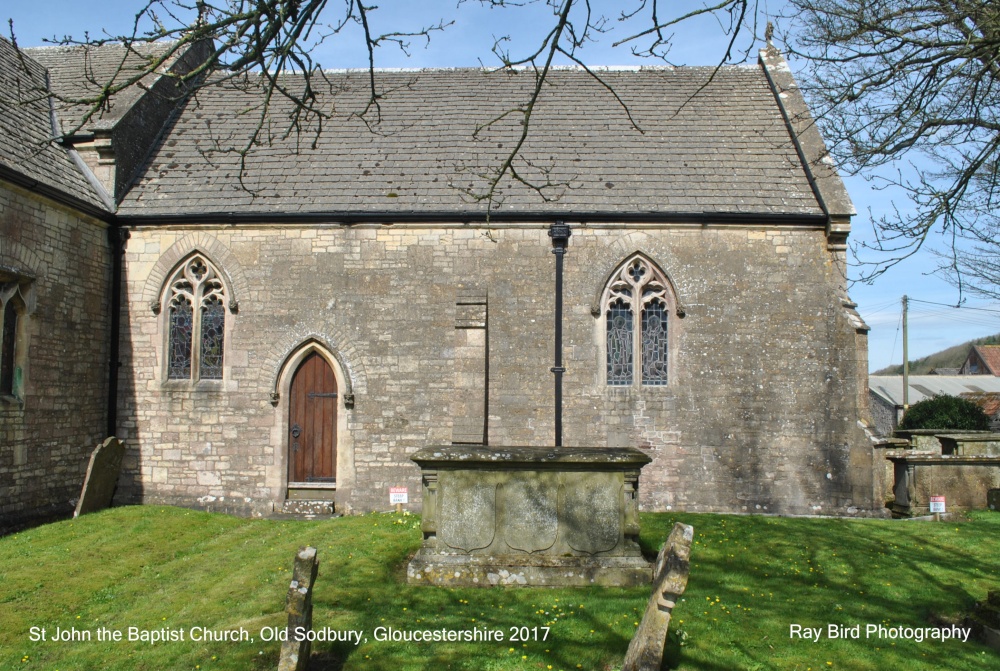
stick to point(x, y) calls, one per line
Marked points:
point(46, 437)
point(761, 413)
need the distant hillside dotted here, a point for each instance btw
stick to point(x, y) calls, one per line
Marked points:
point(953, 357)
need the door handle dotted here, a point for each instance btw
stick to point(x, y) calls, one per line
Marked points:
point(296, 431)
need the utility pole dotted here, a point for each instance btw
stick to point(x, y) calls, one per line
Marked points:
point(906, 360)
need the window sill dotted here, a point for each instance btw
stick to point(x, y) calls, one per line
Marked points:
point(194, 385)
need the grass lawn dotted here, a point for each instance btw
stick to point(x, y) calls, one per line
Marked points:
point(168, 570)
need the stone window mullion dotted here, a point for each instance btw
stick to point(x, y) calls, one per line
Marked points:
point(196, 334)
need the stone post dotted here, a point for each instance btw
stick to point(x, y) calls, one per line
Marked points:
point(298, 605)
point(645, 652)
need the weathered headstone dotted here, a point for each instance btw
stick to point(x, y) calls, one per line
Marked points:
point(985, 620)
point(102, 476)
point(645, 652)
point(298, 605)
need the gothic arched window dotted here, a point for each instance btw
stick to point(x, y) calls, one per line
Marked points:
point(637, 305)
point(13, 335)
point(8, 338)
point(196, 321)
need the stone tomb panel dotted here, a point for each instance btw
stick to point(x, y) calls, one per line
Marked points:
point(593, 514)
point(468, 509)
point(530, 519)
point(526, 507)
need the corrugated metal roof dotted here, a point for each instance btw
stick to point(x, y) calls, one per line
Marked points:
point(890, 387)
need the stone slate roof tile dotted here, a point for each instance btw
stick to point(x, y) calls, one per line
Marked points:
point(701, 146)
point(26, 148)
point(77, 72)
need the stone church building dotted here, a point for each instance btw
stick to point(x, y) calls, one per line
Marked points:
point(294, 320)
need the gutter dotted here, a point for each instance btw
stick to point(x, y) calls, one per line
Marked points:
point(56, 194)
point(346, 218)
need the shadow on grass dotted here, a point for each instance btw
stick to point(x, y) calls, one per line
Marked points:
point(824, 571)
point(331, 659)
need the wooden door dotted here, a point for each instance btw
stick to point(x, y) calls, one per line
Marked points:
point(312, 422)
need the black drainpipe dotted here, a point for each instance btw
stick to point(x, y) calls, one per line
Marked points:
point(117, 237)
point(559, 232)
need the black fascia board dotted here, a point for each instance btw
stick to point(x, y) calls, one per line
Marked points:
point(453, 217)
point(55, 193)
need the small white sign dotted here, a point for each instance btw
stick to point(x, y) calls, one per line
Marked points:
point(937, 504)
point(399, 495)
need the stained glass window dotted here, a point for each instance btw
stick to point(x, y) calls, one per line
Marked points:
point(654, 344)
point(196, 345)
point(620, 328)
point(637, 300)
point(8, 338)
point(213, 320)
point(181, 331)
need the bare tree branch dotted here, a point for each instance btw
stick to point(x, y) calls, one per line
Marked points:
point(895, 78)
point(889, 80)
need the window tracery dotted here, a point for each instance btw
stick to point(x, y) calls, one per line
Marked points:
point(637, 301)
point(196, 319)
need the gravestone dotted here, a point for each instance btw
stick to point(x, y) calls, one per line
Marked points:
point(645, 652)
point(295, 650)
point(985, 620)
point(102, 476)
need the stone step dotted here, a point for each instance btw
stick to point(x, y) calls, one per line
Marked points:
point(307, 509)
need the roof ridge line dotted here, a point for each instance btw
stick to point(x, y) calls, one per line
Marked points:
point(527, 68)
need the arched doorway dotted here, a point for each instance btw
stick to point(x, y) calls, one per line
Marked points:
point(312, 423)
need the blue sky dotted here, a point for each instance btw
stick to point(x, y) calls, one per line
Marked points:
point(468, 43)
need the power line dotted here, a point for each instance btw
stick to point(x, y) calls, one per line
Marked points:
point(955, 307)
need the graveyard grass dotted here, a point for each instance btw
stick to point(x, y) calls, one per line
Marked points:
point(751, 577)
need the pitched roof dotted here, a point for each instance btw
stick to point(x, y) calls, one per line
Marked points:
point(890, 387)
point(77, 72)
point(27, 153)
point(990, 354)
point(988, 401)
point(707, 142)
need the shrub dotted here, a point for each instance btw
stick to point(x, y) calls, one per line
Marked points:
point(946, 412)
